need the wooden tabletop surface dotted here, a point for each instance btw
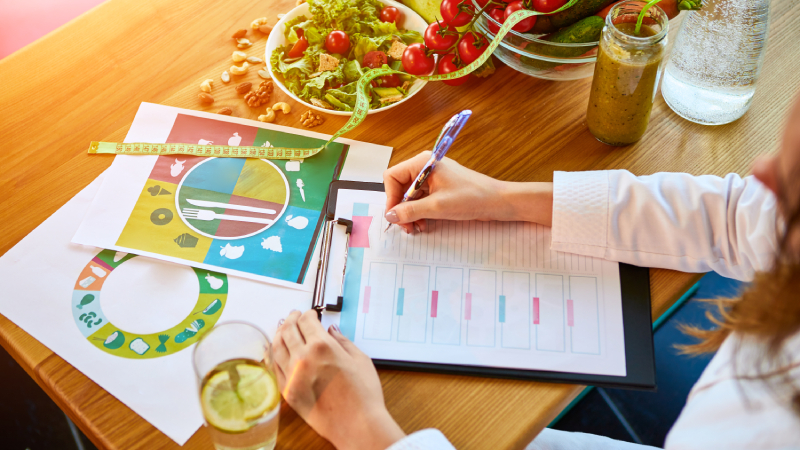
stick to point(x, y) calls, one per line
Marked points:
point(85, 81)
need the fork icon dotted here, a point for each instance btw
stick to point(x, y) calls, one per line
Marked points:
point(204, 214)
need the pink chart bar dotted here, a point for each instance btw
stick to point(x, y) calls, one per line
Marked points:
point(468, 308)
point(570, 314)
point(536, 310)
point(434, 303)
point(367, 290)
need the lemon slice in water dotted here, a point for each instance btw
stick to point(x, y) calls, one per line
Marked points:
point(229, 410)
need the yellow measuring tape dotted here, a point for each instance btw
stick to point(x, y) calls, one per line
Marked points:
point(359, 112)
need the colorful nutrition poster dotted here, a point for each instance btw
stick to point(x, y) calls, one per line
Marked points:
point(128, 319)
point(255, 218)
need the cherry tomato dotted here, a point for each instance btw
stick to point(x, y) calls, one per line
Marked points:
point(337, 42)
point(390, 14)
point(546, 6)
point(375, 59)
point(299, 47)
point(390, 80)
point(440, 38)
point(446, 65)
point(523, 26)
point(471, 47)
point(498, 15)
point(416, 61)
point(452, 14)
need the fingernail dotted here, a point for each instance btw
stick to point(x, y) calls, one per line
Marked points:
point(280, 322)
point(416, 228)
point(294, 310)
point(335, 329)
point(391, 217)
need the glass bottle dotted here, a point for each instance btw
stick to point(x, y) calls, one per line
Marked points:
point(626, 73)
point(711, 75)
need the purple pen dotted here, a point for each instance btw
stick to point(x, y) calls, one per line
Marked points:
point(440, 148)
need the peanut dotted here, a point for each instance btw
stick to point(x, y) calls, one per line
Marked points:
point(238, 56)
point(283, 106)
point(240, 70)
point(225, 111)
point(244, 88)
point(264, 74)
point(226, 77)
point(254, 60)
point(268, 117)
point(206, 85)
point(205, 98)
point(239, 34)
point(243, 43)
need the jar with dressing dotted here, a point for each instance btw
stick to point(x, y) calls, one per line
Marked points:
point(626, 73)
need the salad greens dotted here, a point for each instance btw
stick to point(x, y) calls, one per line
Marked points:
point(360, 20)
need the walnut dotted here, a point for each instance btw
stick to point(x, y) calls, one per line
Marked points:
point(260, 96)
point(309, 119)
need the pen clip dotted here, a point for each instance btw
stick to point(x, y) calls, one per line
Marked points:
point(449, 133)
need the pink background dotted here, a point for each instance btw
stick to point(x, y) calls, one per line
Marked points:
point(24, 21)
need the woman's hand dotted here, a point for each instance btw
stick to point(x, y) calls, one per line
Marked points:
point(332, 385)
point(454, 192)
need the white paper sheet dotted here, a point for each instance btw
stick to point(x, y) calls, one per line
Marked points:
point(120, 219)
point(474, 293)
point(41, 273)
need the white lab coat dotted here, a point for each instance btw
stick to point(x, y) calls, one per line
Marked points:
point(692, 224)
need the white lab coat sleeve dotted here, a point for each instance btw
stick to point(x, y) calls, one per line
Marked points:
point(667, 220)
point(429, 439)
point(550, 439)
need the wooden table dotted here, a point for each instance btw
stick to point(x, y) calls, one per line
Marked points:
point(85, 81)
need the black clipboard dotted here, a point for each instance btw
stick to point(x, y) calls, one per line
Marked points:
point(636, 319)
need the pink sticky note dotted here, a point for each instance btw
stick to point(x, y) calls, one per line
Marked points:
point(570, 314)
point(367, 290)
point(536, 310)
point(468, 308)
point(360, 234)
point(434, 303)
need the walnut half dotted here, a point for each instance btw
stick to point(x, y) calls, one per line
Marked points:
point(309, 119)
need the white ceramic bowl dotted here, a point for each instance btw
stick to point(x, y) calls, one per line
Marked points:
point(410, 21)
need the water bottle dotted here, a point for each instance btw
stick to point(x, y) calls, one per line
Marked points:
point(711, 75)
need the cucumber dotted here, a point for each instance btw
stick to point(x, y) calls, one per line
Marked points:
point(386, 92)
point(549, 23)
point(585, 30)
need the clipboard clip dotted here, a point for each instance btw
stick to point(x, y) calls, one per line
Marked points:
point(322, 268)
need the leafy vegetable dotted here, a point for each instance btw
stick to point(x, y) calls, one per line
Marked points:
point(360, 20)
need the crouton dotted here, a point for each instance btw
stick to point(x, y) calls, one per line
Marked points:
point(397, 49)
point(321, 103)
point(327, 62)
point(392, 99)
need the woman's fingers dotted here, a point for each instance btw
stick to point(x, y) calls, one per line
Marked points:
point(310, 325)
point(291, 333)
point(337, 335)
point(397, 179)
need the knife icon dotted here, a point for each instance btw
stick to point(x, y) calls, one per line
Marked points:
point(207, 204)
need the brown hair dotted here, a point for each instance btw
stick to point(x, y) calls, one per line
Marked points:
point(768, 311)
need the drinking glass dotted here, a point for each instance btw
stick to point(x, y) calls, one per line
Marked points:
point(237, 386)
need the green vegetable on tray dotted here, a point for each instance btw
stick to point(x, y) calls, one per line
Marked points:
point(585, 30)
point(303, 73)
point(582, 9)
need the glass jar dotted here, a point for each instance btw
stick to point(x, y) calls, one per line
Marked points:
point(626, 74)
point(711, 75)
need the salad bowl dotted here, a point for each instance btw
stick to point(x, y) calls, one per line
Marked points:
point(410, 20)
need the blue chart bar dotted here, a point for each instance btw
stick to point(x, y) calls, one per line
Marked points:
point(401, 294)
point(502, 309)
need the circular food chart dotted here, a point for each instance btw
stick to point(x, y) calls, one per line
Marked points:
point(232, 198)
point(101, 333)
